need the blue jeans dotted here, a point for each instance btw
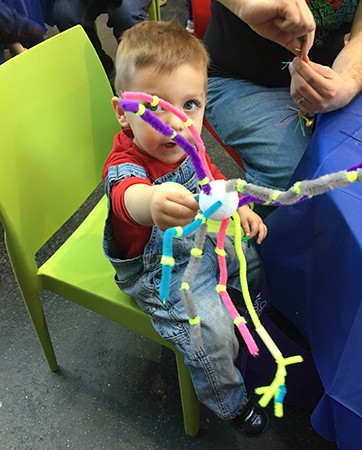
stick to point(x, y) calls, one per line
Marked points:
point(245, 116)
point(121, 16)
point(2, 54)
point(216, 377)
point(213, 365)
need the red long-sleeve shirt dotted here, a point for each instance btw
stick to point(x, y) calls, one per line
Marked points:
point(131, 237)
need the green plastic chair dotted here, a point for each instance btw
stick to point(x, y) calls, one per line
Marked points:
point(57, 127)
point(154, 10)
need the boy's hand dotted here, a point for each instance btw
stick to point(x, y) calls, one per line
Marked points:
point(252, 224)
point(172, 205)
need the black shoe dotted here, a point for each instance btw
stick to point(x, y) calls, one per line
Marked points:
point(252, 421)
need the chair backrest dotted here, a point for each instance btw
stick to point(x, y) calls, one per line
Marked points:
point(201, 14)
point(57, 126)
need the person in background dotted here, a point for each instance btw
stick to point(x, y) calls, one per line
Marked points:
point(190, 22)
point(250, 95)
point(17, 32)
point(122, 14)
point(151, 186)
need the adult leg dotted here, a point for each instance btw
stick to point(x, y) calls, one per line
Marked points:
point(248, 118)
point(126, 14)
point(190, 20)
point(68, 13)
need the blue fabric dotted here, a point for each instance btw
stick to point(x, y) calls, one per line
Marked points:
point(247, 117)
point(304, 387)
point(32, 9)
point(313, 259)
point(16, 26)
point(121, 16)
point(216, 377)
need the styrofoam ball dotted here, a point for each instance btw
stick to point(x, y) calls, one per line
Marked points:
point(229, 200)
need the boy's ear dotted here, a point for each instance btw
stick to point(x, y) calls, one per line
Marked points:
point(119, 113)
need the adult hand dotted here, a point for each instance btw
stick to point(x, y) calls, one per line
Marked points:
point(289, 23)
point(316, 88)
point(16, 48)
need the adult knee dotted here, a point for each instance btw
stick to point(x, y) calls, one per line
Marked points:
point(124, 17)
point(66, 16)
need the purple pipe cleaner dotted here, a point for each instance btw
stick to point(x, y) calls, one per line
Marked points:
point(165, 130)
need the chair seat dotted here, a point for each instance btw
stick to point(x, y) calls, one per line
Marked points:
point(80, 271)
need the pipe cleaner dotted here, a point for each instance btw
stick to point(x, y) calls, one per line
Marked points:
point(204, 176)
point(219, 200)
point(303, 120)
point(298, 112)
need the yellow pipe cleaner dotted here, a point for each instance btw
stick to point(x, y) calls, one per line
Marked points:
point(277, 388)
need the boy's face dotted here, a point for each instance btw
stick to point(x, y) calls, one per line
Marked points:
point(184, 88)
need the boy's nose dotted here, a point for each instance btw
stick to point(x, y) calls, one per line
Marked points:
point(174, 122)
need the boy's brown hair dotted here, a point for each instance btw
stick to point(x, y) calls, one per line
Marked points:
point(164, 45)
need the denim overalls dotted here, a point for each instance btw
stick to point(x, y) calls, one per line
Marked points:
point(217, 381)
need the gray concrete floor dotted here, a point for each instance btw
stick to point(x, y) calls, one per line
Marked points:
point(115, 389)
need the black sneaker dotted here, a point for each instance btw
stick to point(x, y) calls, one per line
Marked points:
point(252, 421)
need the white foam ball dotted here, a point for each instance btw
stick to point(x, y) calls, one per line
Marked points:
point(229, 200)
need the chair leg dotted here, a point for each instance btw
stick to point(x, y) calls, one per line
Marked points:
point(233, 153)
point(35, 309)
point(153, 10)
point(190, 403)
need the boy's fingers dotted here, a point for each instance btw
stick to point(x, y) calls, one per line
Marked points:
point(245, 227)
point(263, 231)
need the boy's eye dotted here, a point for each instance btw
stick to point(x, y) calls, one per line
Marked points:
point(153, 108)
point(191, 105)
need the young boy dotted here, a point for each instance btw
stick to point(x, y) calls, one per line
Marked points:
point(151, 185)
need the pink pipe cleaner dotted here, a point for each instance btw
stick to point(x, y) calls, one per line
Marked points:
point(239, 321)
point(142, 96)
point(201, 167)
